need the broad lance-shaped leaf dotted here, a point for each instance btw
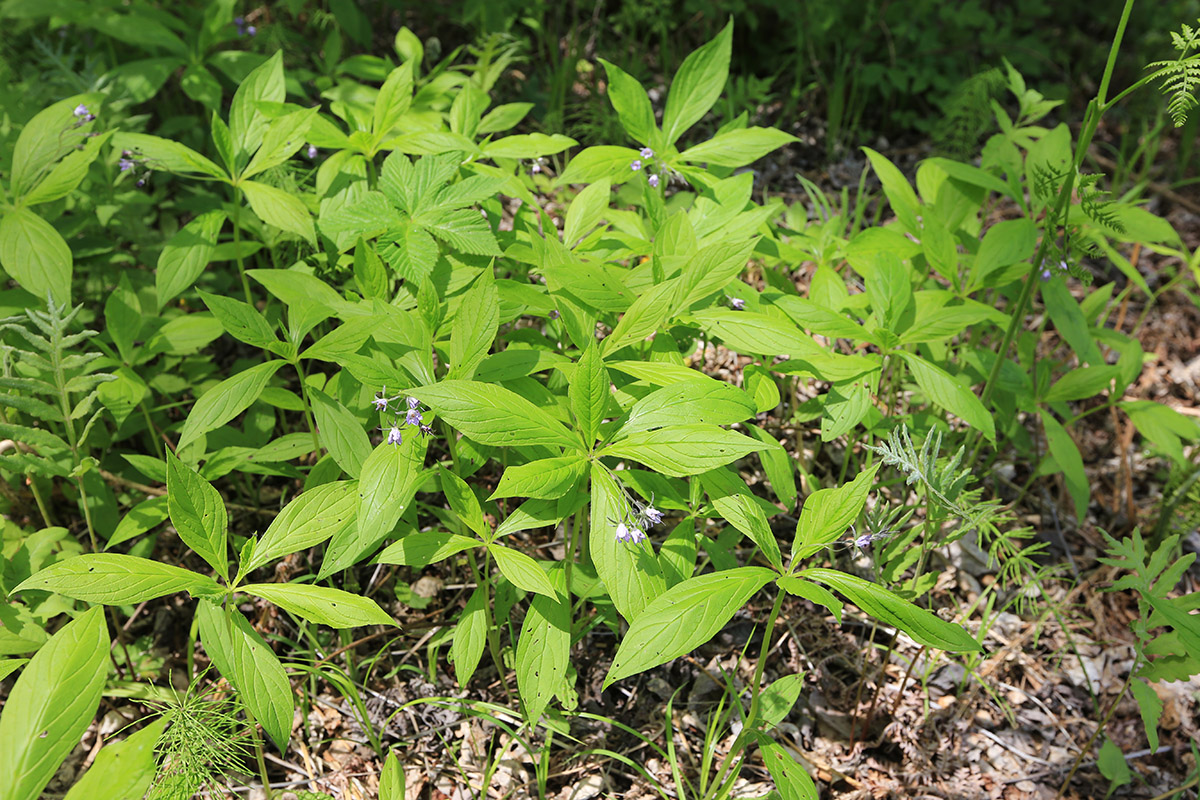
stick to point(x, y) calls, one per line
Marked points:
point(185, 255)
point(493, 415)
point(631, 572)
point(544, 649)
point(121, 769)
point(589, 393)
point(686, 616)
point(305, 522)
point(697, 85)
point(52, 704)
point(521, 570)
point(35, 255)
point(828, 513)
point(198, 514)
point(390, 477)
point(422, 548)
point(226, 400)
point(702, 400)
point(948, 393)
point(341, 433)
point(245, 660)
point(680, 450)
point(546, 478)
point(790, 778)
point(114, 579)
point(322, 605)
point(470, 635)
point(737, 504)
point(922, 626)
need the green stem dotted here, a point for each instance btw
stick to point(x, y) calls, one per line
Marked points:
point(237, 243)
point(1087, 748)
point(755, 694)
point(308, 413)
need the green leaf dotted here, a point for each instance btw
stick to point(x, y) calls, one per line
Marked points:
point(410, 251)
point(643, 318)
point(35, 255)
point(759, 334)
point(544, 648)
point(389, 481)
point(1112, 764)
point(737, 148)
point(945, 392)
point(245, 660)
point(470, 635)
point(813, 592)
point(697, 85)
point(1081, 383)
point(1006, 243)
point(777, 465)
point(546, 478)
point(279, 208)
point(307, 521)
point(1067, 457)
point(889, 290)
point(493, 415)
point(198, 514)
point(790, 778)
point(528, 145)
point(122, 769)
point(322, 605)
point(185, 255)
point(226, 400)
point(1069, 322)
point(395, 98)
point(474, 327)
point(924, 627)
point(391, 778)
point(422, 548)
point(41, 141)
point(827, 513)
point(589, 393)
point(631, 573)
point(284, 137)
point(369, 273)
point(66, 175)
point(844, 408)
point(241, 320)
point(1162, 425)
point(114, 580)
point(246, 123)
point(586, 211)
point(167, 155)
point(597, 163)
point(631, 103)
point(139, 519)
point(521, 570)
point(778, 699)
point(51, 705)
point(899, 192)
point(737, 504)
point(1150, 707)
point(463, 501)
point(684, 617)
point(679, 450)
point(123, 318)
point(678, 553)
point(702, 400)
point(340, 432)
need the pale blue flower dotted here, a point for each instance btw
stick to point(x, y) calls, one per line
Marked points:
point(647, 153)
point(311, 152)
point(394, 436)
point(653, 181)
point(636, 165)
point(652, 515)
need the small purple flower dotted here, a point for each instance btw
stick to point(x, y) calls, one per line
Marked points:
point(737, 303)
point(394, 436)
point(413, 403)
point(631, 535)
point(413, 417)
point(311, 152)
point(125, 164)
point(251, 30)
point(653, 515)
point(242, 28)
point(554, 313)
point(141, 182)
point(1046, 275)
point(636, 165)
point(81, 111)
point(653, 181)
point(537, 166)
point(381, 400)
point(425, 430)
point(647, 153)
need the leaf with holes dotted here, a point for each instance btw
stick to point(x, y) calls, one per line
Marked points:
point(113, 579)
point(544, 648)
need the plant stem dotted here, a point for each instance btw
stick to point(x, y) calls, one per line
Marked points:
point(1087, 748)
point(308, 413)
point(752, 715)
point(237, 243)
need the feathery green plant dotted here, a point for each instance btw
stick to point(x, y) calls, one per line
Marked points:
point(1180, 77)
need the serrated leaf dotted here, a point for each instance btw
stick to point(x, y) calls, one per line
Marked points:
point(307, 521)
point(684, 617)
point(112, 579)
point(245, 660)
point(51, 705)
point(322, 605)
point(226, 400)
point(922, 626)
point(198, 514)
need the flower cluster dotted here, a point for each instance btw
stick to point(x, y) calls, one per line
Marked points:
point(132, 161)
point(737, 303)
point(1049, 271)
point(82, 115)
point(633, 531)
point(242, 28)
point(646, 154)
point(412, 416)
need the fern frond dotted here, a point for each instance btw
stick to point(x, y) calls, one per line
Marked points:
point(1180, 77)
